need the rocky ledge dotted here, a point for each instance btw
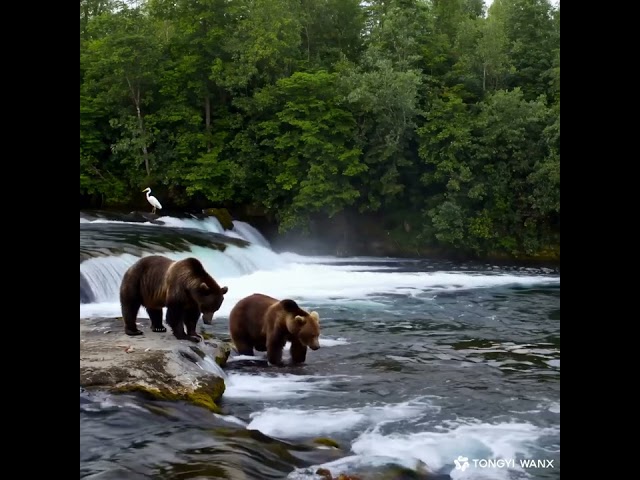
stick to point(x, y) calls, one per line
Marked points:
point(155, 364)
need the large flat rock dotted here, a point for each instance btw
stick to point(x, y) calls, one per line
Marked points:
point(156, 364)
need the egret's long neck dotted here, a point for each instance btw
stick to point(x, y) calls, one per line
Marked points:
point(148, 193)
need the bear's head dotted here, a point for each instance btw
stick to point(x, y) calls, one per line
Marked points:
point(309, 334)
point(303, 325)
point(209, 300)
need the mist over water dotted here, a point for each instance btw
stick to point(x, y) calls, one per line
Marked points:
point(420, 362)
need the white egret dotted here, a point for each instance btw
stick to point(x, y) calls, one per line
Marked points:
point(152, 200)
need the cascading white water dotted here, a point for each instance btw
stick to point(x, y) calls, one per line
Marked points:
point(104, 274)
point(209, 224)
point(250, 233)
point(257, 268)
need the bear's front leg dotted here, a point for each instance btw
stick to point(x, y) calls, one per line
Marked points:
point(190, 321)
point(274, 351)
point(298, 351)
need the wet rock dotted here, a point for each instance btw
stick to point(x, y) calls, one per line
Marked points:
point(223, 216)
point(388, 472)
point(155, 364)
point(327, 442)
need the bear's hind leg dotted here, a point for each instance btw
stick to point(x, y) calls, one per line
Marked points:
point(175, 322)
point(129, 315)
point(243, 347)
point(156, 320)
point(190, 321)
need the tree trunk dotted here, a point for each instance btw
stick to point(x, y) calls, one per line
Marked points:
point(135, 96)
point(484, 78)
point(145, 152)
point(207, 119)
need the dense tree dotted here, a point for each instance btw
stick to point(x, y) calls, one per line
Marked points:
point(436, 110)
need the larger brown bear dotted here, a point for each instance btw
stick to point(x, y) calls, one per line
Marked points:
point(183, 286)
point(266, 324)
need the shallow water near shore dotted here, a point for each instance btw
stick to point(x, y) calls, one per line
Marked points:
point(420, 363)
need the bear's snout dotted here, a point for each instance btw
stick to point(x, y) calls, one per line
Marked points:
point(314, 345)
point(207, 318)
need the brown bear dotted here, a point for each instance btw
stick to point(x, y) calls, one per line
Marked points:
point(183, 286)
point(266, 324)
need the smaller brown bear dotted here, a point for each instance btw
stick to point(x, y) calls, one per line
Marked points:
point(263, 323)
point(183, 286)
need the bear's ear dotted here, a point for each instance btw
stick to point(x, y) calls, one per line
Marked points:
point(224, 290)
point(289, 305)
point(204, 288)
point(315, 316)
point(300, 320)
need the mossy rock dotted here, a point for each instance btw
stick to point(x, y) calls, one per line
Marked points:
point(205, 335)
point(223, 216)
point(326, 442)
point(206, 395)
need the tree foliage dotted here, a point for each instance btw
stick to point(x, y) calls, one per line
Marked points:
point(432, 109)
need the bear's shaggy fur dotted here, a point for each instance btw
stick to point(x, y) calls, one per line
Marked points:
point(183, 286)
point(263, 323)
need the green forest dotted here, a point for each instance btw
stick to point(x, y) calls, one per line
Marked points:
point(440, 113)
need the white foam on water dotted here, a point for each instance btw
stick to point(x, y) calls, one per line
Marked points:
point(239, 358)
point(257, 269)
point(324, 342)
point(281, 386)
point(101, 401)
point(209, 365)
point(297, 258)
point(209, 224)
point(296, 423)
point(311, 283)
point(103, 220)
point(553, 407)
point(104, 274)
point(438, 449)
point(250, 233)
point(230, 419)
point(333, 342)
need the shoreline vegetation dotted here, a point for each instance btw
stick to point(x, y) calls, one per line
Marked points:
point(328, 127)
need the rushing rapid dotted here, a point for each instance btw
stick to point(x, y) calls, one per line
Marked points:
point(421, 364)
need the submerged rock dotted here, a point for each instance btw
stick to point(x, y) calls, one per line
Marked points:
point(386, 472)
point(327, 442)
point(154, 364)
